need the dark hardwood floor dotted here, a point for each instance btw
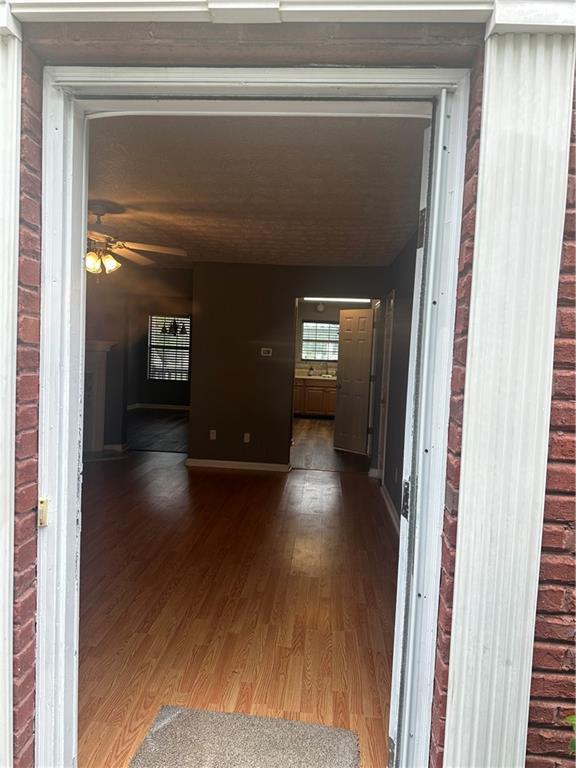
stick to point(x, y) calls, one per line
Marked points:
point(270, 594)
point(313, 448)
point(158, 430)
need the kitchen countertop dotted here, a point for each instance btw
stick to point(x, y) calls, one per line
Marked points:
point(315, 378)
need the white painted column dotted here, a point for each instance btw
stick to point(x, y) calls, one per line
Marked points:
point(519, 229)
point(10, 69)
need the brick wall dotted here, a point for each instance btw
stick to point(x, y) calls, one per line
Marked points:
point(456, 410)
point(27, 415)
point(553, 688)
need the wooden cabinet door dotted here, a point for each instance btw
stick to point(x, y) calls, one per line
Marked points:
point(330, 401)
point(299, 398)
point(314, 401)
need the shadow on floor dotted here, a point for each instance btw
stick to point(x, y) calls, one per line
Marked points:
point(158, 430)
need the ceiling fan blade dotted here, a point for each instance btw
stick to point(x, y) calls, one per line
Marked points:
point(131, 255)
point(156, 248)
point(98, 237)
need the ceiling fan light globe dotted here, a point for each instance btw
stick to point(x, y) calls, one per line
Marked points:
point(93, 263)
point(110, 263)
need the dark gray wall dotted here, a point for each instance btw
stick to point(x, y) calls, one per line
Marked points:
point(237, 310)
point(401, 278)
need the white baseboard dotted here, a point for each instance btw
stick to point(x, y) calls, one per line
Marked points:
point(391, 508)
point(248, 465)
point(157, 407)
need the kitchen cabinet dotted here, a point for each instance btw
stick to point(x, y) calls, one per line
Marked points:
point(314, 396)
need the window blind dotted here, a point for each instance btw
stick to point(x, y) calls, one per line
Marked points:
point(320, 341)
point(169, 347)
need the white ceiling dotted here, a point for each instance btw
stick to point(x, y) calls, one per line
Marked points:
point(297, 190)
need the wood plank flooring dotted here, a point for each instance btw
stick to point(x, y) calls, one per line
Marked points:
point(267, 594)
point(158, 430)
point(313, 448)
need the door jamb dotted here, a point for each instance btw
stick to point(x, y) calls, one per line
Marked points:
point(72, 96)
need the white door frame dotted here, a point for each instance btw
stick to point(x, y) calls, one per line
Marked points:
point(72, 96)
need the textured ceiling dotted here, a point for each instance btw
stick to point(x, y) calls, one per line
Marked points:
point(328, 191)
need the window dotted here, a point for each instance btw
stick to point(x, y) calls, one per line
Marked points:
point(320, 341)
point(168, 347)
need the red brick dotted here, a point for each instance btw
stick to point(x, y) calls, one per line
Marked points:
point(29, 329)
point(565, 352)
point(470, 191)
point(561, 477)
point(32, 94)
point(553, 656)
point(460, 347)
point(29, 272)
point(560, 508)
point(28, 301)
point(30, 243)
point(560, 628)
point(568, 255)
point(28, 358)
point(557, 567)
point(25, 758)
point(469, 223)
point(549, 712)
point(25, 555)
point(31, 155)
point(474, 122)
point(454, 438)
point(566, 322)
point(570, 223)
point(540, 761)
point(30, 184)
point(567, 288)
point(26, 471)
point(25, 524)
point(453, 470)
point(458, 379)
point(24, 646)
point(564, 384)
point(563, 414)
point(31, 124)
point(554, 598)
point(551, 685)
point(25, 607)
point(23, 686)
point(466, 255)
point(559, 537)
point(26, 444)
point(26, 500)
point(24, 579)
point(26, 417)
point(562, 446)
point(472, 156)
point(547, 741)
point(462, 316)
point(27, 387)
point(23, 712)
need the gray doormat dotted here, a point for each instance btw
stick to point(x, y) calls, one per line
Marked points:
point(193, 738)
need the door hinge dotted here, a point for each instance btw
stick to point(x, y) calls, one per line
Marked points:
point(42, 512)
point(391, 752)
point(405, 499)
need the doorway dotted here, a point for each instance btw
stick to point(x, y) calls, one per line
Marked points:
point(333, 384)
point(52, 696)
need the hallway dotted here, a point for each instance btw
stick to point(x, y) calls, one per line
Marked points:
point(268, 594)
point(313, 448)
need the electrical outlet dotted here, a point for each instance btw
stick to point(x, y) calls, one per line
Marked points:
point(265, 351)
point(246, 437)
point(212, 434)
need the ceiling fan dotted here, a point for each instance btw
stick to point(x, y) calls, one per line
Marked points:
point(102, 248)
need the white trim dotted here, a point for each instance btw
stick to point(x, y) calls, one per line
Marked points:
point(62, 342)
point(157, 407)
point(252, 466)
point(10, 76)
point(254, 11)
point(60, 425)
point(526, 115)
point(391, 508)
point(533, 16)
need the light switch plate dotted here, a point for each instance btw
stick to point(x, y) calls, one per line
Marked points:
point(265, 351)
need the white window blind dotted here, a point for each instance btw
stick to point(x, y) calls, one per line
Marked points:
point(320, 341)
point(169, 347)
